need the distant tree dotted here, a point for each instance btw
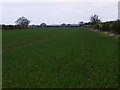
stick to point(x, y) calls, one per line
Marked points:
point(11, 27)
point(22, 21)
point(95, 19)
point(32, 26)
point(68, 25)
point(43, 25)
point(81, 23)
point(3, 27)
point(63, 25)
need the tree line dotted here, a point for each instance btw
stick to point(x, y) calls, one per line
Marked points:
point(23, 23)
point(95, 22)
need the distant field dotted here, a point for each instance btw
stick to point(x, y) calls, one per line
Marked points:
point(59, 58)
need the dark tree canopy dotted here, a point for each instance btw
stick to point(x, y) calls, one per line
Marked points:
point(94, 19)
point(22, 21)
point(43, 25)
point(63, 24)
point(81, 23)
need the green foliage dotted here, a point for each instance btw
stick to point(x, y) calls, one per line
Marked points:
point(106, 26)
point(116, 27)
point(97, 26)
point(12, 27)
point(59, 58)
point(112, 26)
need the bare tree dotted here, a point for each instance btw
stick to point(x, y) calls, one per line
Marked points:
point(81, 23)
point(94, 19)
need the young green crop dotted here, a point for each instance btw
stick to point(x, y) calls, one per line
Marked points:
point(59, 58)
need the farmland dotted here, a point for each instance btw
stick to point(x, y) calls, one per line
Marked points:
point(61, 57)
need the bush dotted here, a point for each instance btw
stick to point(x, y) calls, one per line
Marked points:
point(116, 27)
point(112, 26)
point(106, 26)
point(12, 27)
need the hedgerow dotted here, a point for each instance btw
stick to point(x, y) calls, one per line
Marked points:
point(111, 26)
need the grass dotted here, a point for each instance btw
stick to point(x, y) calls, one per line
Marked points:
point(59, 58)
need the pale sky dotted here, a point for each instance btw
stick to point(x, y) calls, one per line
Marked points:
point(57, 11)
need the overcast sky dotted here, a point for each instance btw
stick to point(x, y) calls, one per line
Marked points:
point(57, 11)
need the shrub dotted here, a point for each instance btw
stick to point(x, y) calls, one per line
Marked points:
point(116, 27)
point(112, 26)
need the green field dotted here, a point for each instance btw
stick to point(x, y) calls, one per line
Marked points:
point(59, 58)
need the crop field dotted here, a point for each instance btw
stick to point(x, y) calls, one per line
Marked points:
point(59, 57)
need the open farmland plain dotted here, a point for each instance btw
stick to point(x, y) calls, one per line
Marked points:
point(68, 57)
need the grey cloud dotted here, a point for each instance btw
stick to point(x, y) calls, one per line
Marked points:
point(58, 12)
